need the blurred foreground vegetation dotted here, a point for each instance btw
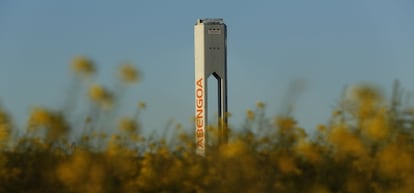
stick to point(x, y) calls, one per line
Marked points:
point(366, 146)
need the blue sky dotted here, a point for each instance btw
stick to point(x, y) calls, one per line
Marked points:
point(325, 45)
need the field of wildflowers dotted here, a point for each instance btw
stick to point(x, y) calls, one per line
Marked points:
point(366, 146)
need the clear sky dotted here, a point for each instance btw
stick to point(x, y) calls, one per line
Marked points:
point(322, 44)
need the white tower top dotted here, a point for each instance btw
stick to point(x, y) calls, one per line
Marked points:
point(210, 21)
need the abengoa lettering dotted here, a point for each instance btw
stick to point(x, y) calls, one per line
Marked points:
point(199, 122)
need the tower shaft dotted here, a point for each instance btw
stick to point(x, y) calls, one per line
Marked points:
point(210, 52)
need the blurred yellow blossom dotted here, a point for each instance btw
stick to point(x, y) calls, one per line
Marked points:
point(250, 115)
point(234, 149)
point(101, 96)
point(128, 73)
point(39, 116)
point(368, 98)
point(72, 172)
point(83, 66)
point(142, 105)
point(127, 125)
point(319, 189)
point(285, 123)
point(395, 160)
point(5, 127)
point(309, 151)
point(321, 128)
point(4, 133)
point(260, 105)
point(366, 93)
point(369, 150)
point(345, 142)
point(287, 165)
point(377, 127)
point(54, 123)
point(336, 113)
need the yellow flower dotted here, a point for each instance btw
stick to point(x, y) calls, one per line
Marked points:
point(395, 160)
point(83, 66)
point(321, 128)
point(100, 95)
point(54, 123)
point(336, 113)
point(58, 127)
point(40, 117)
point(319, 189)
point(287, 165)
point(377, 128)
point(260, 105)
point(309, 151)
point(127, 125)
point(250, 115)
point(142, 105)
point(4, 133)
point(285, 123)
point(366, 93)
point(235, 148)
point(74, 171)
point(5, 127)
point(346, 142)
point(96, 93)
point(367, 98)
point(129, 74)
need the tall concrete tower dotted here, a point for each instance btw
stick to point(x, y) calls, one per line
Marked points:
point(210, 59)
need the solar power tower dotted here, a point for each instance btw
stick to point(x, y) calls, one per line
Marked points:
point(210, 59)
